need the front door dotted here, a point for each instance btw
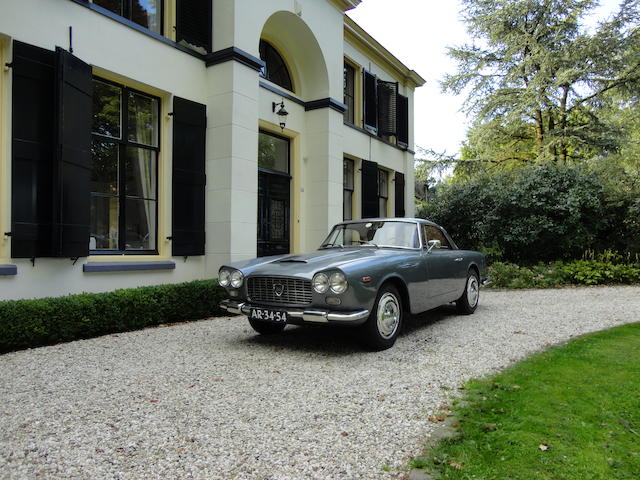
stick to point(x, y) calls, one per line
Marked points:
point(273, 195)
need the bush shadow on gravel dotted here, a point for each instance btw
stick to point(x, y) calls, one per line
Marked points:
point(339, 341)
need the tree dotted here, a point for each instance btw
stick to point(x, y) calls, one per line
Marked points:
point(538, 80)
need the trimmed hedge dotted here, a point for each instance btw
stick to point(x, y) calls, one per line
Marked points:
point(45, 321)
point(557, 274)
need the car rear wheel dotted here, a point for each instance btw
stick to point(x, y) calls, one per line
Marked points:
point(468, 302)
point(383, 325)
point(266, 328)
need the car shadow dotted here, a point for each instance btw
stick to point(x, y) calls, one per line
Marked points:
point(335, 340)
point(320, 339)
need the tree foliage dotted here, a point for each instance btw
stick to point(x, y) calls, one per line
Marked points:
point(539, 82)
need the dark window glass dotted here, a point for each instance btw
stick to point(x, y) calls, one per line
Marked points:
point(275, 69)
point(124, 169)
point(349, 93)
point(429, 232)
point(347, 195)
point(146, 13)
point(273, 152)
point(383, 192)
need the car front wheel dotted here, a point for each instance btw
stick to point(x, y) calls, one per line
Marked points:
point(266, 328)
point(383, 325)
point(468, 302)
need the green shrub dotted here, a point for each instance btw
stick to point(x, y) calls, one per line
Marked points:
point(45, 321)
point(543, 212)
point(555, 274)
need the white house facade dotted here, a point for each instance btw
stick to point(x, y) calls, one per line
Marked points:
point(145, 142)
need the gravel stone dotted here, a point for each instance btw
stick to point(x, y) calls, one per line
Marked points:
point(212, 400)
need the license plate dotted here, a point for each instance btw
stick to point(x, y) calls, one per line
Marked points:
point(266, 315)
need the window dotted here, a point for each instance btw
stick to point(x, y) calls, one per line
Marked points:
point(147, 13)
point(383, 192)
point(273, 152)
point(386, 112)
point(349, 93)
point(124, 149)
point(275, 69)
point(347, 189)
point(429, 232)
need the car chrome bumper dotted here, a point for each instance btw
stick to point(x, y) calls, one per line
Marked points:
point(296, 314)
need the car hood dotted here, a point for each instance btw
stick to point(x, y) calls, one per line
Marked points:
point(306, 265)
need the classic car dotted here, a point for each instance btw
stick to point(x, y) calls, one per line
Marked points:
point(367, 273)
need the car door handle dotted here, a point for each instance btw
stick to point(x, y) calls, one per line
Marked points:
point(459, 259)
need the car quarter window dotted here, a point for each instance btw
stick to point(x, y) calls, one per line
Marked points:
point(430, 232)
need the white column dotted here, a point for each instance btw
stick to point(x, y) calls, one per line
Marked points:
point(232, 164)
point(323, 163)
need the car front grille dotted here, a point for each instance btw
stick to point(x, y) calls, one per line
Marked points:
point(279, 290)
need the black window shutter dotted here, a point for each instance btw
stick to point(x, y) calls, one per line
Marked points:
point(370, 97)
point(32, 147)
point(370, 207)
point(193, 22)
point(403, 121)
point(72, 169)
point(399, 186)
point(387, 107)
point(189, 140)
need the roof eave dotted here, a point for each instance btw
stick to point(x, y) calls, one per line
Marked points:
point(357, 34)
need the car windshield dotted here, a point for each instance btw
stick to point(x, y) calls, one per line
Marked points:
point(373, 234)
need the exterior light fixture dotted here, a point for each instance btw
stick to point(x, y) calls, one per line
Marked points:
point(282, 113)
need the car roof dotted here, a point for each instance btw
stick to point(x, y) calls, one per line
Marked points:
point(389, 219)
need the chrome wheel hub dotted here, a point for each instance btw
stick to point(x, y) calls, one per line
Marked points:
point(388, 315)
point(473, 291)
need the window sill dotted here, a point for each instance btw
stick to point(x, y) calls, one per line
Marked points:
point(8, 270)
point(372, 135)
point(99, 267)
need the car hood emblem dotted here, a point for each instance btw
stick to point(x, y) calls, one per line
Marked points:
point(278, 289)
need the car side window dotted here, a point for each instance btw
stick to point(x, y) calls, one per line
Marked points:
point(430, 232)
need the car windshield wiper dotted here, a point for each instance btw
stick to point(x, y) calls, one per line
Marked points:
point(365, 242)
point(331, 245)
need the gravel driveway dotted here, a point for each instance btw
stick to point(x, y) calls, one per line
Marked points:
point(211, 400)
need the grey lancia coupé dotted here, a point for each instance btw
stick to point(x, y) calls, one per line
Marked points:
point(367, 273)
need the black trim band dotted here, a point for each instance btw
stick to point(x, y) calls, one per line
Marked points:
point(331, 103)
point(282, 93)
point(233, 53)
point(90, 267)
point(8, 270)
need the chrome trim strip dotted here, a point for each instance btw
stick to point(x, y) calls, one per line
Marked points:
point(313, 316)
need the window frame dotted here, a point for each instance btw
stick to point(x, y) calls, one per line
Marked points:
point(123, 143)
point(287, 68)
point(385, 173)
point(428, 237)
point(345, 188)
point(281, 137)
point(127, 8)
point(350, 113)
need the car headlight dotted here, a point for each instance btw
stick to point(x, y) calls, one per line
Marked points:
point(320, 282)
point(224, 278)
point(236, 279)
point(338, 282)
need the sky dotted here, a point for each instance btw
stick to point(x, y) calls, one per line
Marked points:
point(418, 33)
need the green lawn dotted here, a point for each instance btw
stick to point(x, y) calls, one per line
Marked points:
point(572, 412)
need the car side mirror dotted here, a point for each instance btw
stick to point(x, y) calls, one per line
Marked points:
point(431, 244)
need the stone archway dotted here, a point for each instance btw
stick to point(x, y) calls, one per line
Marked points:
point(303, 55)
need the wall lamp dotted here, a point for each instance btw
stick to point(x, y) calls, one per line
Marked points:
point(282, 113)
